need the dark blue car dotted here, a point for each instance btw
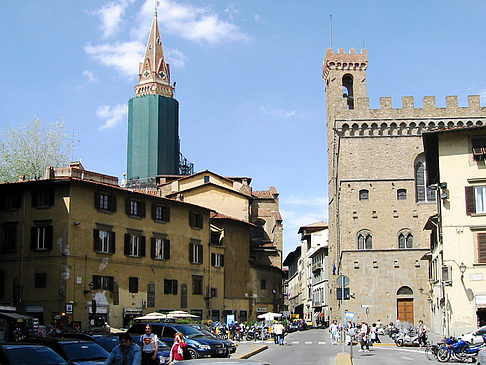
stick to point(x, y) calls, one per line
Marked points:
point(198, 344)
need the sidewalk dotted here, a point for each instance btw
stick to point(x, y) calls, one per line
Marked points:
point(247, 349)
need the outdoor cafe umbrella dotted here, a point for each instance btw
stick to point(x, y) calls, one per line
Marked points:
point(152, 316)
point(269, 316)
point(180, 314)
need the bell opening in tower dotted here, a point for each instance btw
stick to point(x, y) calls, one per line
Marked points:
point(348, 90)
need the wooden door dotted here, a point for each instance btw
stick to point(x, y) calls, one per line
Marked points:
point(405, 310)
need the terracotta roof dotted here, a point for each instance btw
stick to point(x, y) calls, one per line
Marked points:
point(116, 187)
point(314, 227)
point(453, 129)
point(215, 215)
point(265, 194)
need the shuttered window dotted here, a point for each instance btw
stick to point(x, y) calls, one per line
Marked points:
point(133, 284)
point(482, 247)
point(160, 248)
point(475, 199)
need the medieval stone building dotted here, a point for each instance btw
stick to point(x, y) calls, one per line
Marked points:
point(379, 201)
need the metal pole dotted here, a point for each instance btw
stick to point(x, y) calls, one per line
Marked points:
point(342, 315)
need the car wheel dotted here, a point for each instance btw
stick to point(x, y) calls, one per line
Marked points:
point(194, 354)
point(399, 343)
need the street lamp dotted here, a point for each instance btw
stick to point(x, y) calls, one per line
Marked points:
point(462, 269)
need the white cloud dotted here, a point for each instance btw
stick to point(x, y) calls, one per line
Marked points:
point(112, 115)
point(176, 57)
point(111, 15)
point(90, 76)
point(277, 112)
point(190, 22)
point(306, 200)
point(122, 56)
point(293, 220)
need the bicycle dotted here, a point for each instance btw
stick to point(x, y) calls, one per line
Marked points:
point(431, 351)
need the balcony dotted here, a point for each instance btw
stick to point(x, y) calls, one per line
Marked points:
point(317, 267)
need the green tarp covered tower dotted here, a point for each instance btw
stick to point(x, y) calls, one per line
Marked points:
point(153, 116)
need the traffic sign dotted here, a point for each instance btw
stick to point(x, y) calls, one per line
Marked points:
point(343, 281)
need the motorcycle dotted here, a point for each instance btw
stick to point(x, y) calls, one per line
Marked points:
point(407, 338)
point(458, 350)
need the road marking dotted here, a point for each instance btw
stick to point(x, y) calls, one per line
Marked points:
point(406, 358)
point(308, 342)
point(295, 341)
point(321, 343)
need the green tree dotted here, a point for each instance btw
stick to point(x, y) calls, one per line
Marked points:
point(28, 149)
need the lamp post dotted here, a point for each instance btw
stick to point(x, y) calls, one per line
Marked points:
point(462, 269)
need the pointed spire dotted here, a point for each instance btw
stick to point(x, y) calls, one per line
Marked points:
point(154, 72)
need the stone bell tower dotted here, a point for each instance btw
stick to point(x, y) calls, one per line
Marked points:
point(153, 116)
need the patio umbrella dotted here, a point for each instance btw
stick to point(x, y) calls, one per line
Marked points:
point(152, 316)
point(269, 316)
point(180, 314)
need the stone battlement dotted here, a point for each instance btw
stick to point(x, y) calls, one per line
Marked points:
point(344, 61)
point(408, 120)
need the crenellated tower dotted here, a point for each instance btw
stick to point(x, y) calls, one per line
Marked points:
point(153, 116)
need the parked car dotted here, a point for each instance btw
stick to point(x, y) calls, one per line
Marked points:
point(475, 336)
point(108, 342)
point(292, 327)
point(229, 345)
point(29, 354)
point(105, 341)
point(75, 352)
point(225, 361)
point(198, 344)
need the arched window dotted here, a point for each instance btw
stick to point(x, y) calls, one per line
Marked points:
point(405, 290)
point(364, 194)
point(348, 90)
point(402, 194)
point(423, 192)
point(405, 240)
point(365, 241)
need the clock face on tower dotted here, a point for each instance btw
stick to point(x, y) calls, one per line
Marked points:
point(146, 73)
point(162, 74)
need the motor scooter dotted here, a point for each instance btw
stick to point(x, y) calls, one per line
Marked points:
point(407, 338)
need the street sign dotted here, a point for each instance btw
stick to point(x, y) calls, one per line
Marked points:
point(69, 308)
point(366, 306)
point(343, 281)
point(346, 294)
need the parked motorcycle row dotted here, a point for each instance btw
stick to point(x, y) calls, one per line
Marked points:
point(240, 333)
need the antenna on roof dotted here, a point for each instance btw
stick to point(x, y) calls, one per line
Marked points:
point(330, 22)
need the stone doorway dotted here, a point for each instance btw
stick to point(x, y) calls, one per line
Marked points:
point(405, 309)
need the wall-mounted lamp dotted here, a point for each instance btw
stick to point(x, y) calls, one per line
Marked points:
point(444, 194)
point(77, 223)
point(462, 269)
point(91, 287)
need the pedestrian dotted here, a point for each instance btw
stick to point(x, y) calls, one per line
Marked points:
point(126, 353)
point(178, 352)
point(363, 336)
point(349, 333)
point(150, 347)
point(278, 330)
point(374, 334)
point(422, 334)
point(334, 330)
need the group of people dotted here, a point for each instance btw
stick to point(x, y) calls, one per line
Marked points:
point(129, 353)
point(365, 334)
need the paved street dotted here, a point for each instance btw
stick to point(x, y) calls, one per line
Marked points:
point(314, 347)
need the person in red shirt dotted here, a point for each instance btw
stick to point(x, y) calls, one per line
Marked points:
point(177, 350)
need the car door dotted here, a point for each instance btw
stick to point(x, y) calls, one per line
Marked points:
point(168, 334)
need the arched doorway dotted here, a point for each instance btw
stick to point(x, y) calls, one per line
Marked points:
point(405, 304)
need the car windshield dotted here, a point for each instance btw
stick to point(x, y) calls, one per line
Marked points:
point(189, 332)
point(107, 342)
point(34, 355)
point(84, 351)
point(206, 333)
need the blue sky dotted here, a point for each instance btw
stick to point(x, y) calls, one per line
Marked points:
point(248, 77)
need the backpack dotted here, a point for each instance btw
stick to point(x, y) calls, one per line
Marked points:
point(186, 354)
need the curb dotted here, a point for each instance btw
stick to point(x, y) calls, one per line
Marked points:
point(254, 352)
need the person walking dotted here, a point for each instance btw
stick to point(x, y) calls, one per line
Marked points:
point(126, 353)
point(178, 349)
point(334, 330)
point(150, 347)
point(374, 334)
point(422, 334)
point(278, 330)
point(363, 336)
